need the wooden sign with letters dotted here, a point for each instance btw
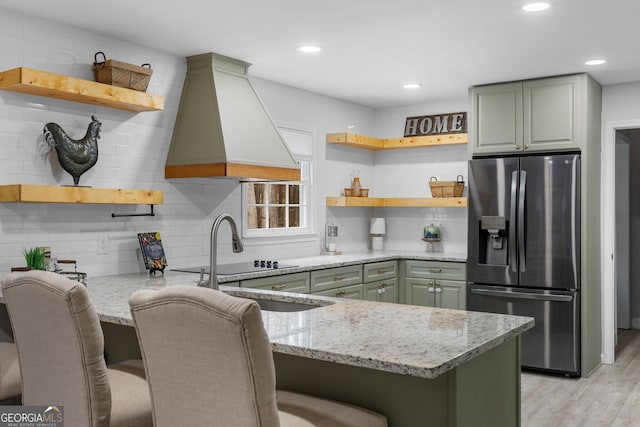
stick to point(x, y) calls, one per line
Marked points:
point(438, 124)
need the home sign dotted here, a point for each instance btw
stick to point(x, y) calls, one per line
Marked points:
point(438, 124)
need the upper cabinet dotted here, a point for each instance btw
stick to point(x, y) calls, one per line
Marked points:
point(542, 115)
point(51, 85)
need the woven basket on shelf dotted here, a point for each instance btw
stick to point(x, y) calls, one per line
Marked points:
point(446, 188)
point(121, 74)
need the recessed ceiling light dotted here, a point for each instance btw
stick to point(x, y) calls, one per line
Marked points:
point(535, 7)
point(310, 49)
point(595, 62)
point(411, 85)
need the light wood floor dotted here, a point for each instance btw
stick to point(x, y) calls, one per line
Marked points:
point(610, 397)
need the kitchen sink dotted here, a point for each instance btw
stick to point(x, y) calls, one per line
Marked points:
point(281, 306)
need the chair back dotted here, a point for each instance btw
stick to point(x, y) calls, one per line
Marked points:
point(207, 358)
point(60, 346)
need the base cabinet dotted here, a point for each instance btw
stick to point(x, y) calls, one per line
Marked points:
point(436, 293)
point(382, 291)
point(381, 281)
point(351, 292)
point(436, 284)
point(297, 282)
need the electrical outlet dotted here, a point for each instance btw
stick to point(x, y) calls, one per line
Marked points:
point(102, 245)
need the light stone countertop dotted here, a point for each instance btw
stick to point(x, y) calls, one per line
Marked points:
point(410, 340)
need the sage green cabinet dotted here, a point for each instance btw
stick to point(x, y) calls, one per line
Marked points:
point(352, 292)
point(296, 282)
point(375, 271)
point(230, 284)
point(539, 115)
point(436, 270)
point(382, 290)
point(331, 278)
point(436, 293)
point(381, 281)
point(435, 284)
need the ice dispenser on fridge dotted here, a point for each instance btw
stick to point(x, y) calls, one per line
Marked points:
point(493, 240)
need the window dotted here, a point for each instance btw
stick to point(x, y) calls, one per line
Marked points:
point(281, 208)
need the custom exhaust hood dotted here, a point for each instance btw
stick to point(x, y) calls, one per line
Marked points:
point(223, 130)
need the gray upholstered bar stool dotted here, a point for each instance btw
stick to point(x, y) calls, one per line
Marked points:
point(61, 352)
point(209, 362)
point(10, 382)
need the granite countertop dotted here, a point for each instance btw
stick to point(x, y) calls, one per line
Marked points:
point(351, 258)
point(410, 340)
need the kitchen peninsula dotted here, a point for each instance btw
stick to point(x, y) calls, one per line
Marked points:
point(417, 365)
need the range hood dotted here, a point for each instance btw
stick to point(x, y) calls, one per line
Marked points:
point(223, 130)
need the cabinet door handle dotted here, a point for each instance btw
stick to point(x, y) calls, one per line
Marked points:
point(340, 293)
point(278, 287)
point(338, 278)
point(438, 288)
point(382, 285)
point(526, 146)
point(435, 270)
point(382, 271)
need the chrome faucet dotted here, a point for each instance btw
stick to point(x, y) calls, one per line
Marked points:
point(236, 243)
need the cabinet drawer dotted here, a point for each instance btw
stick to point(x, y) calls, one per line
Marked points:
point(352, 292)
point(297, 282)
point(380, 270)
point(335, 277)
point(231, 284)
point(436, 270)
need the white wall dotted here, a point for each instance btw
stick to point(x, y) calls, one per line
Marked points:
point(405, 173)
point(133, 149)
point(621, 102)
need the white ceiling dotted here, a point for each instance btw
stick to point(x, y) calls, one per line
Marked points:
point(372, 47)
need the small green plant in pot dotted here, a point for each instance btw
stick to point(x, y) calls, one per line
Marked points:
point(34, 258)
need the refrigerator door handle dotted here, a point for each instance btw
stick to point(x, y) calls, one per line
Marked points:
point(512, 223)
point(521, 222)
point(522, 295)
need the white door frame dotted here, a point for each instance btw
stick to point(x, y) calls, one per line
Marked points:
point(608, 198)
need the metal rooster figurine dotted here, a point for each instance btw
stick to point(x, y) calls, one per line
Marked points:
point(75, 156)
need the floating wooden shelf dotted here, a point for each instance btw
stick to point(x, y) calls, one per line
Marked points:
point(372, 143)
point(43, 83)
point(52, 194)
point(397, 202)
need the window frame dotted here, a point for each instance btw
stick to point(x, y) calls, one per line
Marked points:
point(306, 195)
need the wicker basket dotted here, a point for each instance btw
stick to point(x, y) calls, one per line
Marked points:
point(121, 74)
point(446, 188)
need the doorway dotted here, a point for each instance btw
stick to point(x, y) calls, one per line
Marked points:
point(619, 306)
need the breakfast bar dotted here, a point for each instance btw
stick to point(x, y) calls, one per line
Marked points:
point(416, 365)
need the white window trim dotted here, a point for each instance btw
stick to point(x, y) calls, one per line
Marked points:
point(287, 235)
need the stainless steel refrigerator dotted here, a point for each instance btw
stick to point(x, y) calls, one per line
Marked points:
point(524, 251)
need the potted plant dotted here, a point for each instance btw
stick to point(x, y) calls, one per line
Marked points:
point(34, 258)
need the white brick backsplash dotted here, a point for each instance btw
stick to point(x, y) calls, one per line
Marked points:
point(133, 148)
